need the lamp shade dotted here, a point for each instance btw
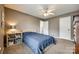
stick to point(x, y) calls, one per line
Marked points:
point(12, 26)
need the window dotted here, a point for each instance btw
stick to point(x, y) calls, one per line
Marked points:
point(44, 27)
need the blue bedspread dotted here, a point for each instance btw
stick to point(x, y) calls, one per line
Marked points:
point(37, 42)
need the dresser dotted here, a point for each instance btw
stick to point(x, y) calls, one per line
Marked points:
point(13, 39)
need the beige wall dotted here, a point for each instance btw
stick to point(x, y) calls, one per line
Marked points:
point(54, 24)
point(23, 21)
point(54, 27)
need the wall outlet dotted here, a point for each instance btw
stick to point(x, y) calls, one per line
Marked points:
point(0, 48)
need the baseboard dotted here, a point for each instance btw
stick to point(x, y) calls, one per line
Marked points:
point(64, 39)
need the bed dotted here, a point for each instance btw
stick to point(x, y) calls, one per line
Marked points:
point(37, 42)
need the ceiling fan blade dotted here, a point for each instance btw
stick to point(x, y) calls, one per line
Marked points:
point(51, 13)
point(51, 10)
point(43, 11)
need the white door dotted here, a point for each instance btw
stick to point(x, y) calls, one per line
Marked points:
point(44, 27)
point(65, 27)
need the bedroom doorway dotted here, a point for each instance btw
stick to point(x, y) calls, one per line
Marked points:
point(44, 27)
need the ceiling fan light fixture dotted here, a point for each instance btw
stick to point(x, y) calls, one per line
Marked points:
point(45, 14)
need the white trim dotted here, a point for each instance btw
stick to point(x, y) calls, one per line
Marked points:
point(64, 39)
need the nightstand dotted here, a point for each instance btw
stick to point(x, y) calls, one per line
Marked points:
point(13, 39)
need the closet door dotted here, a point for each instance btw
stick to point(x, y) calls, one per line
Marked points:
point(65, 27)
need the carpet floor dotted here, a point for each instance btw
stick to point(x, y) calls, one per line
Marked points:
point(62, 47)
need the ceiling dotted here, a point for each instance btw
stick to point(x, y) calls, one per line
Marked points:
point(35, 9)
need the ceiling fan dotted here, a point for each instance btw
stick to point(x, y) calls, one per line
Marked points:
point(47, 11)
